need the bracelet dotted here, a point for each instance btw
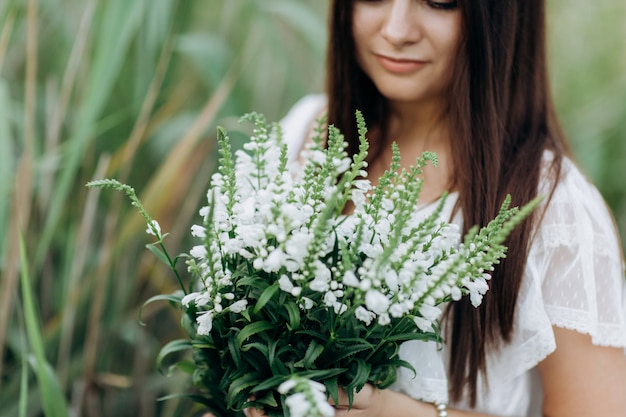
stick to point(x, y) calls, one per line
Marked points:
point(442, 409)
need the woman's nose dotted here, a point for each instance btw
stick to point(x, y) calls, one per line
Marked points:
point(400, 26)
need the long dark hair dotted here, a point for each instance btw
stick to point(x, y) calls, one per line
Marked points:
point(502, 120)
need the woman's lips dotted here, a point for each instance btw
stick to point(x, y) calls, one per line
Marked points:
point(400, 66)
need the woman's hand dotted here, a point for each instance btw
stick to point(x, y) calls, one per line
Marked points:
point(369, 402)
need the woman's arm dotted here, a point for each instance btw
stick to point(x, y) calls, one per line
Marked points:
point(581, 379)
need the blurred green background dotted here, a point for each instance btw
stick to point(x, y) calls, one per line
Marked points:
point(133, 90)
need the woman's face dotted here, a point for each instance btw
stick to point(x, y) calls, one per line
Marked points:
point(407, 47)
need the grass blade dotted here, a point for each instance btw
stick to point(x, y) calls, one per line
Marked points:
point(52, 397)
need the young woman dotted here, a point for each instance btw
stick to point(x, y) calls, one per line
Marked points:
point(468, 80)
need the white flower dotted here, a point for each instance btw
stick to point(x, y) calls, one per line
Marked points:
point(274, 261)
point(391, 279)
point(383, 227)
point(330, 299)
point(397, 310)
point(205, 323)
point(350, 279)
point(365, 284)
point(251, 234)
point(198, 252)
point(319, 284)
point(297, 245)
point(298, 405)
point(154, 229)
point(304, 390)
point(285, 283)
point(198, 298)
point(358, 197)
point(477, 289)
point(233, 246)
point(287, 386)
point(456, 293)
point(430, 313)
point(376, 301)
point(203, 299)
point(423, 324)
point(306, 303)
point(198, 231)
point(238, 306)
point(189, 298)
point(384, 319)
point(364, 315)
point(325, 409)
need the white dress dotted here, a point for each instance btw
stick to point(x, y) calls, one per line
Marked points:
point(574, 279)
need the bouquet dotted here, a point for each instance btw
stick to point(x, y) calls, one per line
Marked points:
point(306, 279)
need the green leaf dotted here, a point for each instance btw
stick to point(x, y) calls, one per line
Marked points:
point(203, 344)
point(350, 350)
point(265, 297)
point(271, 383)
point(235, 353)
point(23, 399)
point(237, 387)
point(261, 347)
point(313, 351)
point(312, 333)
point(322, 374)
point(174, 346)
point(361, 374)
point(294, 315)
point(52, 397)
point(174, 298)
point(332, 387)
point(187, 367)
point(156, 250)
point(403, 337)
point(383, 377)
point(269, 399)
point(252, 329)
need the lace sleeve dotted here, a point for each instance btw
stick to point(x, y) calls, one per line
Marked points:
point(577, 257)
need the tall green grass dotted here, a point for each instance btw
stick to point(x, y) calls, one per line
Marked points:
point(134, 90)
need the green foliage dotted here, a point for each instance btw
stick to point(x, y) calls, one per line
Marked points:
point(255, 325)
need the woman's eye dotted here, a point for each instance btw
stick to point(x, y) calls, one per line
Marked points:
point(443, 5)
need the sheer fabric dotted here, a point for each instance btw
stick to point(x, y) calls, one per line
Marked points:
point(574, 279)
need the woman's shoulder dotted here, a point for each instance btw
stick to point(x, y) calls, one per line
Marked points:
point(576, 261)
point(575, 214)
point(298, 123)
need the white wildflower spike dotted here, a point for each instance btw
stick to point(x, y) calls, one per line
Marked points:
point(306, 398)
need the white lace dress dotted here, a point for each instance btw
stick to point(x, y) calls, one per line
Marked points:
point(574, 279)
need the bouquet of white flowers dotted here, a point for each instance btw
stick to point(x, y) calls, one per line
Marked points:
point(294, 294)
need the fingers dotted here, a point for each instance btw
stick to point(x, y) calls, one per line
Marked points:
point(253, 412)
point(362, 399)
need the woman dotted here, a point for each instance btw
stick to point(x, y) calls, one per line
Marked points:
point(468, 80)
